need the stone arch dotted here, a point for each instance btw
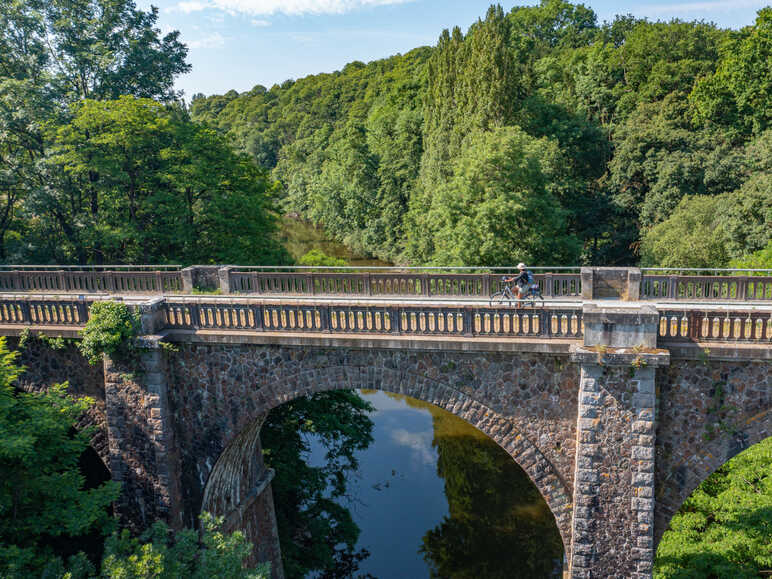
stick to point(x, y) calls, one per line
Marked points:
point(45, 366)
point(692, 470)
point(238, 466)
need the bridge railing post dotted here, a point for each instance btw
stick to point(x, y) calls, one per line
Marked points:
point(224, 277)
point(548, 285)
point(187, 279)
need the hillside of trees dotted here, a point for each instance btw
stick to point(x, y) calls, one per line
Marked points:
point(539, 135)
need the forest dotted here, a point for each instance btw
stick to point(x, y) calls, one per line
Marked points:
point(539, 135)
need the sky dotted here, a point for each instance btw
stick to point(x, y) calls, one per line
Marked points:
point(237, 44)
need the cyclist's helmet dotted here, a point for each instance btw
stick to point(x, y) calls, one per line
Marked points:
point(521, 265)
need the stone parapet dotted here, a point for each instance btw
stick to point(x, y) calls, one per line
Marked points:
point(622, 327)
point(200, 277)
point(618, 283)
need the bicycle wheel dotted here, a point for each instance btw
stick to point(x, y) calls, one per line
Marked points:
point(497, 297)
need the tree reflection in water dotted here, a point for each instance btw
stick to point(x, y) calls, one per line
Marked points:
point(361, 483)
point(499, 524)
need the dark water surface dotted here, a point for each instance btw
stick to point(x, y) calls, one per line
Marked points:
point(434, 497)
point(300, 237)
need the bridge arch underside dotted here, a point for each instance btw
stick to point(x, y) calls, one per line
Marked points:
point(526, 404)
point(45, 366)
point(708, 414)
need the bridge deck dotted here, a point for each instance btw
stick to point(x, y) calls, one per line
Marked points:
point(565, 302)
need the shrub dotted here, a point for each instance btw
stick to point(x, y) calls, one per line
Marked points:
point(111, 329)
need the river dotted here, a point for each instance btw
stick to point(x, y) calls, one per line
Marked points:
point(434, 497)
point(300, 237)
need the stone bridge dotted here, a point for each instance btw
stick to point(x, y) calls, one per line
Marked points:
point(617, 397)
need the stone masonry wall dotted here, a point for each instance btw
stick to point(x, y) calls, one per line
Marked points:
point(708, 412)
point(526, 402)
point(168, 425)
point(143, 451)
point(45, 366)
point(613, 502)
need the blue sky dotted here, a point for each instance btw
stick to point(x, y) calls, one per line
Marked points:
point(236, 44)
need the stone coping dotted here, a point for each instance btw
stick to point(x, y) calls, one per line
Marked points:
point(559, 346)
point(743, 351)
point(595, 313)
point(725, 351)
point(610, 356)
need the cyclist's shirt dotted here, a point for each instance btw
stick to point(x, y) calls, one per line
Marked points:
point(525, 279)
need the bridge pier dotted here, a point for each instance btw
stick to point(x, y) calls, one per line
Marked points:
point(613, 519)
point(143, 454)
point(239, 490)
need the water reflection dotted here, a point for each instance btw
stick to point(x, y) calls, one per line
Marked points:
point(434, 497)
point(300, 237)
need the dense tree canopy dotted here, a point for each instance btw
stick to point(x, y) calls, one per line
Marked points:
point(498, 205)
point(140, 182)
point(637, 114)
point(99, 162)
point(724, 529)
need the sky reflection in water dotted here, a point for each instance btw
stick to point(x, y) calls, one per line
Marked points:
point(435, 497)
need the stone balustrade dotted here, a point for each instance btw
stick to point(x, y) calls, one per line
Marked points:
point(628, 284)
point(91, 281)
point(424, 318)
point(588, 396)
point(376, 318)
point(703, 287)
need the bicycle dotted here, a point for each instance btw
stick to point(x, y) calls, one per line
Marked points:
point(532, 295)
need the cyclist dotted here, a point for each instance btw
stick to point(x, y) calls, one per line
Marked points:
point(523, 282)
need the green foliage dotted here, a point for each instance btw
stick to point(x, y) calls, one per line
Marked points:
point(318, 257)
point(162, 554)
point(498, 206)
point(169, 347)
point(762, 259)
point(373, 153)
point(739, 94)
point(54, 53)
point(749, 207)
point(111, 330)
point(690, 237)
point(316, 533)
point(198, 291)
point(724, 529)
point(54, 343)
point(42, 494)
point(144, 183)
